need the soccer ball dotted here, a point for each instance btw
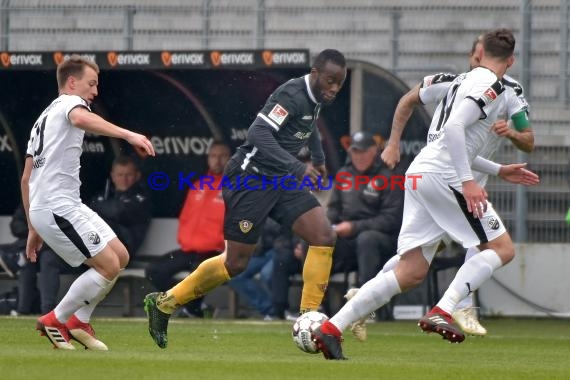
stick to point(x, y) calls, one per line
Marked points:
point(303, 330)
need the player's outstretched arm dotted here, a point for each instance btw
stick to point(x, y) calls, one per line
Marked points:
point(88, 121)
point(516, 173)
point(391, 153)
point(35, 242)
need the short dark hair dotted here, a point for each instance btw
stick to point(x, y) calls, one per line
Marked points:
point(74, 66)
point(327, 55)
point(220, 143)
point(124, 160)
point(476, 41)
point(499, 43)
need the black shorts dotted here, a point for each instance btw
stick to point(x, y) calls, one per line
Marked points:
point(249, 205)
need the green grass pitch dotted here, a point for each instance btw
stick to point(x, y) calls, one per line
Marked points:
point(226, 349)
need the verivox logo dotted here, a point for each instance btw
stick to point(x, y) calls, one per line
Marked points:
point(8, 59)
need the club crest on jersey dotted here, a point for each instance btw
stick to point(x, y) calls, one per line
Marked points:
point(493, 223)
point(94, 238)
point(245, 226)
point(278, 114)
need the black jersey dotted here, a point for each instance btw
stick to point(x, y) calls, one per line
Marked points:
point(290, 113)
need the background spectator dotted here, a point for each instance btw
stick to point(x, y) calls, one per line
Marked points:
point(125, 204)
point(13, 261)
point(366, 220)
point(200, 230)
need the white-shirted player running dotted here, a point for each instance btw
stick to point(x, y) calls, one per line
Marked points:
point(447, 201)
point(433, 89)
point(56, 215)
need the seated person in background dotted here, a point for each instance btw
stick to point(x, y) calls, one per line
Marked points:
point(258, 293)
point(125, 204)
point(13, 261)
point(200, 230)
point(366, 220)
point(11, 253)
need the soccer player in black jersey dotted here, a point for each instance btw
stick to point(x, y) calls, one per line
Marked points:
point(260, 183)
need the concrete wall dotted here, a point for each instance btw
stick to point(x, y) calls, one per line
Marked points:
point(535, 283)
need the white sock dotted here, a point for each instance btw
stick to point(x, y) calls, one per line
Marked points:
point(471, 252)
point(469, 300)
point(472, 274)
point(372, 295)
point(391, 264)
point(84, 314)
point(86, 288)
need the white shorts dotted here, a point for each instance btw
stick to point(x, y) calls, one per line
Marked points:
point(75, 236)
point(434, 210)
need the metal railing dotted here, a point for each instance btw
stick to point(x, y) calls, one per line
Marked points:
point(409, 37)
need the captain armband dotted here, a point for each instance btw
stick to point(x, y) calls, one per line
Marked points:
point(520, 121)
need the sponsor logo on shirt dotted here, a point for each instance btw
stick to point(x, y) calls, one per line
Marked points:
point(39, 162)
point(278, 114)
point(303, 135)
point(434, 136)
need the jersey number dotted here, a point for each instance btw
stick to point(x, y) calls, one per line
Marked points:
point(446, 108)
point(38, 139)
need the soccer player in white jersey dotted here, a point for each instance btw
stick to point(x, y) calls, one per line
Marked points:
point(433, 89)
point(446, 201)
point(55, 213)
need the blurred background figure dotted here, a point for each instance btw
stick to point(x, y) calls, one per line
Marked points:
point(366, 218)
point(200, 230)
point(125, 204)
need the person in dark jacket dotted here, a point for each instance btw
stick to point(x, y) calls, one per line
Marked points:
point(125, 204)
point(13, 261)
point(200, 230)
point(366, 217)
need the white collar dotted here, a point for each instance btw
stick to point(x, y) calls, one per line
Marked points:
point(309, 89)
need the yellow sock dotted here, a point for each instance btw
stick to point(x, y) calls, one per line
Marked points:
point(316, 272)
point(210, 274)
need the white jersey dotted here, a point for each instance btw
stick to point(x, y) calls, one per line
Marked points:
point(480, 85)
point(434, 89)
point(512, 103)
point(56, 146)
